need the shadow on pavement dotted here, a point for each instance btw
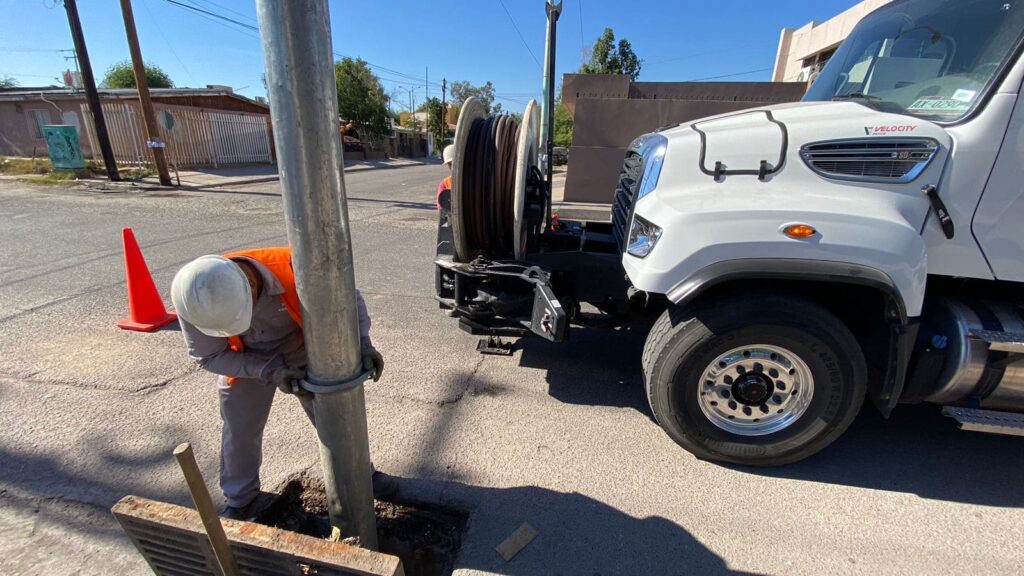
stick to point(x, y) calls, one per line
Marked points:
point(397, 203)
point(86, 519)
point(916, 451)
point(93, 473)
point(576, 534)
point(594, 367)
point(921, 452)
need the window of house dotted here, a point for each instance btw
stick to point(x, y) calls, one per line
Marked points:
point(38, 119)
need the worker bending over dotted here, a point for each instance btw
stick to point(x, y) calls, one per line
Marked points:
point(241, 319)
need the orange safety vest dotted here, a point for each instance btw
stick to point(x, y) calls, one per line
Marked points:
point(446, 184)
point(279, 262)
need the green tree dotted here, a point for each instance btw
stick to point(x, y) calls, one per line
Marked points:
point(607, 58)
point(361, 98)
point(7, 82)
point(462, 90)
point(122, 75)
point(563, 124)
point(435, 119)
point(410, 121)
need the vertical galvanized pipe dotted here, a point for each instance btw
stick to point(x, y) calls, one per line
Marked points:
point(547, 106)
point(545, 128)
point(304, 108)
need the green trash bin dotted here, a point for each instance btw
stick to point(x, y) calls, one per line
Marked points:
point(63, 146)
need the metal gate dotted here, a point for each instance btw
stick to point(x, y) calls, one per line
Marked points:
point(194, 137)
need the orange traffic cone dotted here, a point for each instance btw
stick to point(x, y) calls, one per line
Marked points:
point(146, 310)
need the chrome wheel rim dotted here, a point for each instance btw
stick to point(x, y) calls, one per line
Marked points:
point(755, 390)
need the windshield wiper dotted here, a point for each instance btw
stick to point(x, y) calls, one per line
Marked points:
point(856, 96)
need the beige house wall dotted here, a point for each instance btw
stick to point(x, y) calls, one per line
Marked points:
point(17, 135)
point(796, 45)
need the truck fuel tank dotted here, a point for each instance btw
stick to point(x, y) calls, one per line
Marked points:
point(969, 352)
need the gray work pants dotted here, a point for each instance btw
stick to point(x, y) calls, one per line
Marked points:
point(244, 408)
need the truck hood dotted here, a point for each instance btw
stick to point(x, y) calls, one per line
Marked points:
point(775, 134)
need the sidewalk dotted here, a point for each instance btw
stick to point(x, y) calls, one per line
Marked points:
point(228, 177)
point(255, 174)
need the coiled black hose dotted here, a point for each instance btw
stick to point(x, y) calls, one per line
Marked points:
point(488, 190)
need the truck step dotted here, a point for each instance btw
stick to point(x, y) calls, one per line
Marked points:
point(1001, 341)
point(990, 421)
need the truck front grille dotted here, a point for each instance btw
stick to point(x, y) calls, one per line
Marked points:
point(898, 160)
point(622, 206)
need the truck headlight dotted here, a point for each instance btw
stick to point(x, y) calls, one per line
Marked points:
point(642, 237)
point(653, 153)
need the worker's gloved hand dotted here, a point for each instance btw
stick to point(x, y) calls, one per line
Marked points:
point(372, 360)
point(286, 378)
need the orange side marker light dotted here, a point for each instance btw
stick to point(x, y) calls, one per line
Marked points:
point(799, 231)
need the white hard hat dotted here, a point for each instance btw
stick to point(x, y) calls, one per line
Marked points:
point(212, 293)
point(449, 153)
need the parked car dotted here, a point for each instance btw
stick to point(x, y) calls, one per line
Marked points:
point(560, 155)
point(352, 144)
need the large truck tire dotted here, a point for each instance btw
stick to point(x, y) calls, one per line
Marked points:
point(762, 380)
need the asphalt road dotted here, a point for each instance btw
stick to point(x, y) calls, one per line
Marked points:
point(559, 436)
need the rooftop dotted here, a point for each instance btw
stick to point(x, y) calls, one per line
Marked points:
point(56, 93)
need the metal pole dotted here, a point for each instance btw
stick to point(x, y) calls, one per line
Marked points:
point(304, 108)
point(547, 112)
point(149, 117)
point(85, 67)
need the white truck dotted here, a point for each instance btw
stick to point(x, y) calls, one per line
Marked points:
point(865, 242)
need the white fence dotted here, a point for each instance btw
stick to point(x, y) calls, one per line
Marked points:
point(196, 138)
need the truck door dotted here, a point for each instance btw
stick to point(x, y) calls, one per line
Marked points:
point(999, 221)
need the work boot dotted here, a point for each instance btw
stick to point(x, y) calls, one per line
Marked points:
point(250, 511)
point(384, 486)
point(246, 513)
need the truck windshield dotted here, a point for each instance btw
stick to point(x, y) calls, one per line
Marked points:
point(929, 58)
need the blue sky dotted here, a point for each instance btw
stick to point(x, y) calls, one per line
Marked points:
point(471, 40)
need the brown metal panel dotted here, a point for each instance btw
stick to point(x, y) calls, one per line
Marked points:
point(592, 174)
point(762, 92)
point(615, 123)
point(604, 86)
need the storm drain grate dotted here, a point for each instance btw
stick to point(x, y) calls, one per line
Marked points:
point(172, 540)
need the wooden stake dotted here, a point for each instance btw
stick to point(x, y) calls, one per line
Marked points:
point(201, 497)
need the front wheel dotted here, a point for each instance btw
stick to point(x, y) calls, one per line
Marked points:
point(763, 381)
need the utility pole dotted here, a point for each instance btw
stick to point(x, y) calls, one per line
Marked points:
point(152, 130)
point(444, 109)
point(426, 107)
point(297, 51)
point(547, 115)
point(91, 94)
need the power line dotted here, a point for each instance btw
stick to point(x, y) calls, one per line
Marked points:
point(729, 75)
point(213, 14)
point(222, 7)
point(6, 49)
point(583, 47)
point(402, 77)
point(169, 46)
point(29, 75)
point(512, 20)
point(208, 13)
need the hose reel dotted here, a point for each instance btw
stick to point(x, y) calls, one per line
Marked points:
point(499, 198)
